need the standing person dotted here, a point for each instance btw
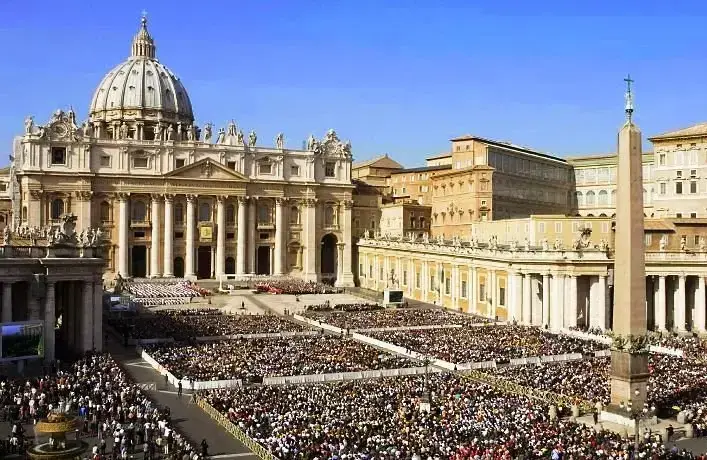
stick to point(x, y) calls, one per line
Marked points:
point(179, 389)
point(204, 448)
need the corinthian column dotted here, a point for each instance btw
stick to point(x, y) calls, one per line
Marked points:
point(220, 235)
point(191, 225)
point(241, 243)
point(252, 237)
point(279, 235)
point(347, 279)
point(155, 240)
point(123, 235)
point(168, 236)
point(310, 239)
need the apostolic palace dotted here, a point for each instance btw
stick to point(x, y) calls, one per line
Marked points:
point(488, 227)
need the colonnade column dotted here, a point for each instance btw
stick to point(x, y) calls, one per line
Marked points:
point(49, 322)
point(599, 307)
point(424, 278)
point(517, 306)
point(557, 302)
point(155, 250)
point(123, 224)
point(251, 226)
point(167, 263)
point(219, 267)
point(87, 323)
point(659, 304)
point(527, 299)
point(240, 243)
point(97, 315)
point(191, 224)
point(679, 305)
point(346, 279)
point(571, 316)
point(473, 291)
point(6, 301)
point(310, 244)
point(455, 288)
point(546, 300)
point(698, 320)
point(279, 235)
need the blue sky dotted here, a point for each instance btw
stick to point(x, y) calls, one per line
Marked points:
point(401, 78)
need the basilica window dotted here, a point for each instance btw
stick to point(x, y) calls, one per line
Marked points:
point(179, 163)
point(105, 212)
point(57, 208)
point(179, 214)
point(139, 211)
point(294, 171)
point(294, 215)
point(58, 155)
point(230, 214)
point(330, 169)
point(24, 213)
point(329, 216)
point(105, 161)
point(265, 168)
point(204, 212)
point(140, 162)
point(264, 214)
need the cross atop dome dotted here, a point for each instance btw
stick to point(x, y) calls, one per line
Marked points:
point(143, 44)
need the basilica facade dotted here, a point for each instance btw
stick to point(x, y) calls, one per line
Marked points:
point(177, 200)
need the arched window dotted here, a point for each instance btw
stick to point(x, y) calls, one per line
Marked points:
point(57, 208)
point(105, 212)
point(24, 213)
point(178, 213)
point(294, 215)
point(603, 197)
point(204, 212)
point(139, 211)
point(579, 197)
point(329, 216)
point(591, 198)
point(230, 215)
point(613, 197)
point(264, 214)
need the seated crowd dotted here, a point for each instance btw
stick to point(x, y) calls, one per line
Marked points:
point(253, 359)
point(487, 343)
point(113, 407)
point(293, 286)
point(393, 318)
point(183, 326)
point(347, 307)
point(163, 293)
point(382, 419)
point(674, 382)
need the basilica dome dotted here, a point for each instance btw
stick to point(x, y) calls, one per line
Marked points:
point(141, 89)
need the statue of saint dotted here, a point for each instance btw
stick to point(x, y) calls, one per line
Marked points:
point(252, 138)
point(310, 142)
point(87, 129)
point(29, 124)
point(280, 141)
point(124, 131)
point(179, 131)
point(170, 133)
point(158, 131)
point(190, 132)
point(239, 137)
point(207, 132)
point(221, 136)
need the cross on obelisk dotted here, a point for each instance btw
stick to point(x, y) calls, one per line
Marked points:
point(629, 358)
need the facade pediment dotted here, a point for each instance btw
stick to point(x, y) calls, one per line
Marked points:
point(206, 169)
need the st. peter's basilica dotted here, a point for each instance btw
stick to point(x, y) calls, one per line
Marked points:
point(178, 200)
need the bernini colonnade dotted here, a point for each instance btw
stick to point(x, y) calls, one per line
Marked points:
point(544, 287)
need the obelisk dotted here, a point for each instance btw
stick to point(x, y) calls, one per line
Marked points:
point(629, 357)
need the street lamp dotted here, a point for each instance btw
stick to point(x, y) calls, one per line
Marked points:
point(637, 414)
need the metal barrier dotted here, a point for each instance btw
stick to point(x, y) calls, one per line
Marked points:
point(236, 432)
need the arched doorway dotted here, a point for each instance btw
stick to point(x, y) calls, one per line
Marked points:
point(178, 267)
point(139, 261)
point(328, 257)
point(262, 262)
point(230, 265)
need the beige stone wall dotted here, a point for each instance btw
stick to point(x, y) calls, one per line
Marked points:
point(459, 198)
point(680, 173)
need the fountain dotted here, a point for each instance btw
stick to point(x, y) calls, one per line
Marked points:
point(57, 424)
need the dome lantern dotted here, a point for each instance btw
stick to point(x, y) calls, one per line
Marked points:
point(143, 44)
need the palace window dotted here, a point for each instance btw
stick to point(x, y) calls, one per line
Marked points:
point(693, 186)
point(663, 188)
point(447, 286)
point(405, 277)
point(140, 162)
point(603, 197)
point(661, 159)
point(579, 197)
point(330, 169)
point(105, 161)
point(104, 211)
point(24, 213)
point(179, 163)
point(294, 171)
point(265, 168)
point(230, 214)
point(58, 155)
point(463, 289)
point(678, 188)
point(417, 280)
point(590, 200)
point(502, 296)
point(205, 212)
point(139, 211)
point(179, 214)
point(57, 208)
point(231, 165)
point(482, 293)
point(693, 215)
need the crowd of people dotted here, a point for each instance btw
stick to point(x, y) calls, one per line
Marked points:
point(164, 293)
point(674, 382)
point(395, 317)
point(293, 286)
point(253, 359)
point(385, 419)
point(188, 324)
point(486, 343)
point(347, 307)
point(113, 409)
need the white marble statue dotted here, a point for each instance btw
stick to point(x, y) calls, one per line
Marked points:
point(252, 138)
point(280, 141)
point(157, 129)
point(545, 244)
point(207, 132)
point(310, 142)
point(240, 137)
point(87, 129)
point(231, 128)
point(29, 124)
point(190, 132)
point(123, 131)
point(683, 243)
point(703, 243)
point(180, 132)
point(663, 242)
point(221, 136)
point(170, 132)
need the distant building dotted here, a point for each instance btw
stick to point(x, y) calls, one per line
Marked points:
point(376, 171)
